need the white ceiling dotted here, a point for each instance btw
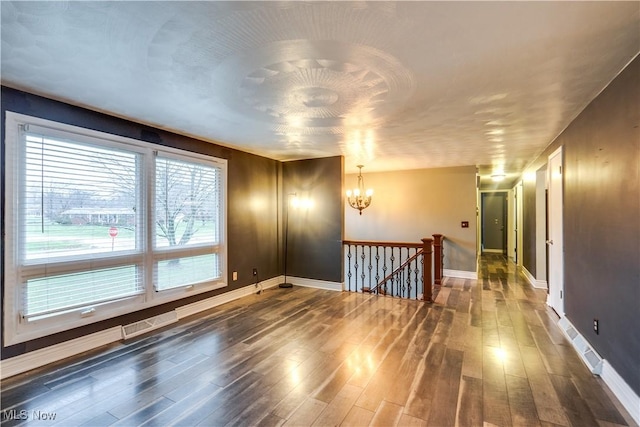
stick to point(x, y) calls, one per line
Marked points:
point(391, 85)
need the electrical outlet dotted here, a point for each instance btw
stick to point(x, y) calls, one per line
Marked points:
point(235, 276)
point(596, 326)
point(255, 271)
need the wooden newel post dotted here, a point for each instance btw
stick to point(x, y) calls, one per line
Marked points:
point(427, 253)
point(437, 259)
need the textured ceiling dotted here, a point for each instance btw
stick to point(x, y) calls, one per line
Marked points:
point(391, 85)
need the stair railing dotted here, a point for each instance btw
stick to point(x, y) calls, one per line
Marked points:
point(398, 282)
point(392, 268)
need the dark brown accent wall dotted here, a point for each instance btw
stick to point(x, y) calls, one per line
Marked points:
point(601, 222)
point(529, 226)
point(315, 232)
point(252, 203)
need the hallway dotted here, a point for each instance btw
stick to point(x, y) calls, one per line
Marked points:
point(487, 352)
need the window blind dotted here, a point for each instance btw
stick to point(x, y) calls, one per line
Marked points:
point(73, 195)
point(187, 206)
point(52, 294)
point(79, 203)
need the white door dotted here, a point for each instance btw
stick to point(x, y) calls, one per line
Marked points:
point(555, 299)
point(518, 222)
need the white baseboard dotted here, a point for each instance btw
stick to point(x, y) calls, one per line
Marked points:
point(460, 274)
point(493, 251)
point(627, 397)
point(39, 358)
point(206, 304)
point(541, 284)
point(44, 356)
point(618, 386)
point(538, 284)
point(313, 283)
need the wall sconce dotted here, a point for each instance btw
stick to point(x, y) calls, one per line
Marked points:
point(358, 198)
point(302, 203)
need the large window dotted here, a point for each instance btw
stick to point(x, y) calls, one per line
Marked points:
point(98, 225)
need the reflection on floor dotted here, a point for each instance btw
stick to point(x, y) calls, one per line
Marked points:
point(487, 352)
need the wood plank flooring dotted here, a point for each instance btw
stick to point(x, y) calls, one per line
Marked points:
point(487, 352)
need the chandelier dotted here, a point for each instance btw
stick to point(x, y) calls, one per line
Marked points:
point(358, 198)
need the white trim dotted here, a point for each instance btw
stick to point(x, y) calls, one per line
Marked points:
point(493, 251)
point(18, 330)
point(44, 356)
point(555, 227)
point(206, 304)
point(318, 284)
point(618, 386)
point(518, 196)
point(621, 390)
point(460, 274)
point(538, 284)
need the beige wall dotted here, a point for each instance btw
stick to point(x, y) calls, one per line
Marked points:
point(409, 205)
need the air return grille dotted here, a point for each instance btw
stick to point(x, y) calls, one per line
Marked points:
point(143, 326)
point(588, 355)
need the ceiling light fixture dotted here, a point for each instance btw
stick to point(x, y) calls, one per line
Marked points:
point(358, 198)
point(497, 177)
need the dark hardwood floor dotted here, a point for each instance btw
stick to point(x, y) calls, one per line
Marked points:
point(487, 352)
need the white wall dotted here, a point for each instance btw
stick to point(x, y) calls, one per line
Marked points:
point(409, 205)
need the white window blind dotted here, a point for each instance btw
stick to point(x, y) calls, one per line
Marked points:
point(187, 221)
point(186, 271)
point(74, 196)
point(187, 203)
point(99, 225)
point(79, 200)
point(51, 294)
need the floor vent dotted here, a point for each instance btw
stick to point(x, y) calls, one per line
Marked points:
point(588, 355)
point(134, 329)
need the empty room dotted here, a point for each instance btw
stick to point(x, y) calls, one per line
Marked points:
point(223, 213)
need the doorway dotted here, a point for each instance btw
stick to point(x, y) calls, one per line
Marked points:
point(555, 299)
point(517, 223)
point(494, 222)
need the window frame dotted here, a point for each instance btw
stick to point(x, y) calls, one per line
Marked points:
point(16, 266)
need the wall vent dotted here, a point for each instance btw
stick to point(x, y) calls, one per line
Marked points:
point(138, 328)
point(588, 355)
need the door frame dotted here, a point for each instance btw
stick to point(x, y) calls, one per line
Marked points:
point(518, 218)
point(481, 216)
point(556, 296)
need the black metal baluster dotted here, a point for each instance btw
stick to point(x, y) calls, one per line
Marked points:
point(422, 275)
point(370, 267)
point(355, 268)
point(409, 270)
point(377, 264)
point(417, 278)
point(393, 279)
point(349, 265)
point(362, 275)
point(384, 268)
point(404, 284)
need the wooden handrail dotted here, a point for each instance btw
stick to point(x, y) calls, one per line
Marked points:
point(387, 244)
point(431, 250)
